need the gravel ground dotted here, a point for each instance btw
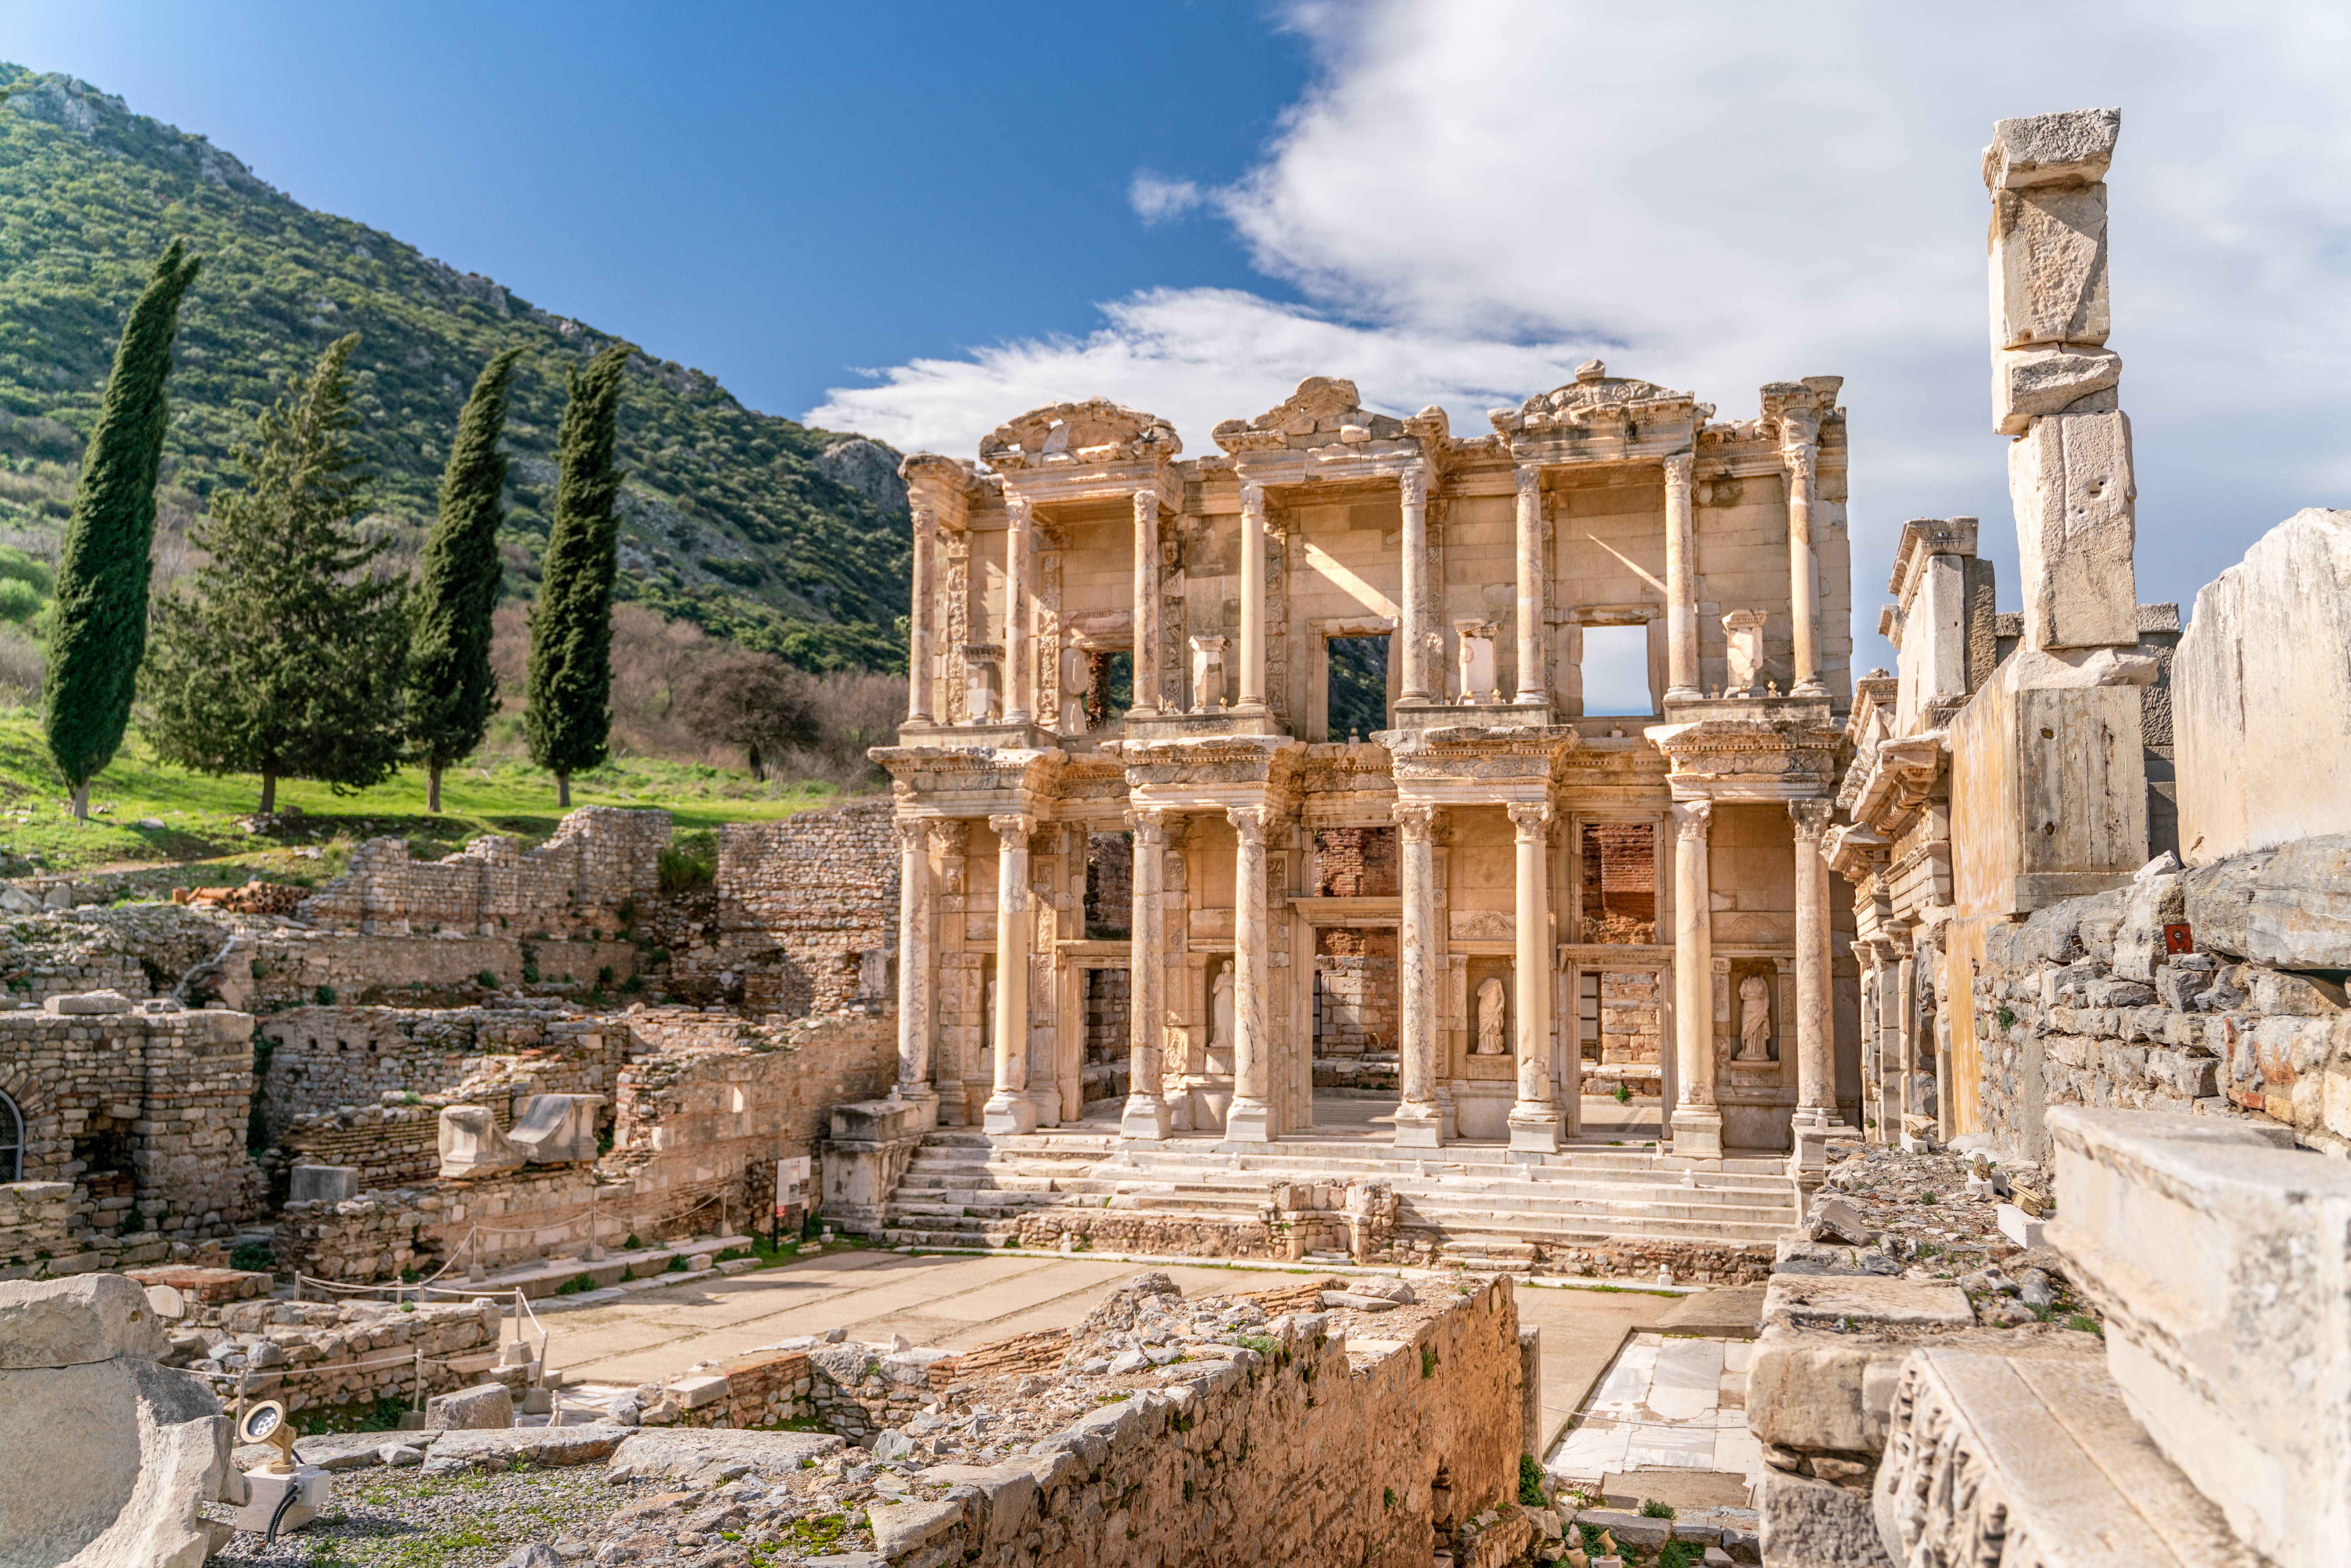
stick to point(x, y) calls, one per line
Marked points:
point(404, 1518)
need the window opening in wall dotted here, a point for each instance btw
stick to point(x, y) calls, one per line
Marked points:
point(1355, 862)
point(1107, 1072)
point(1616, 672)
point(1110, 686)
point(1620, 882)
point(11, 1141)
point(1359, 687)
point(1587, 1014)
point(1110, 886)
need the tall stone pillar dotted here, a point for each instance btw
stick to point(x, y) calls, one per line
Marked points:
point(1251, 1119)
point(1681, 580)
point(1145, 657)
point(919, 612)
point(1008, 1109)
point(1865, 956)
point(1533, 691)
point(1697, 1124)
point(1019, 667)
point(1252, 682)
point(1419, 1123)
point(1145, 1115)
point(1534, 1120)
point(1816, 1106)
point(915, 962)
point(1415, 688)
point(1800, 452)
point(1908, 1102)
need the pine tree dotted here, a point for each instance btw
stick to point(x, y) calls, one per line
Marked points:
point(289, 658)
point(98, 633)
point(451, 692)
point(571, 714)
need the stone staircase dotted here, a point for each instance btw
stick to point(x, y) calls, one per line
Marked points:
point(966, 1188)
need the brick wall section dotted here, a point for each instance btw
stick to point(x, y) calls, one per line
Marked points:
point(1355, 862)
point(805, 902)
point(1110, 884)
point(1619, 863)
point(600, 858)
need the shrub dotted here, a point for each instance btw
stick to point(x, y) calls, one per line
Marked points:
point(1623, 1094)
point(324, 996)
point(578, 1284)
point(488, 979)
point(604, 975)
point(632, 1244)
point(677, 1264)
point(253, 1258)
point(1652, 1508)
point(1530, 1482)
point(690, 863)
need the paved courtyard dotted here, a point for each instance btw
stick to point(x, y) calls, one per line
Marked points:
point(1667, 1403)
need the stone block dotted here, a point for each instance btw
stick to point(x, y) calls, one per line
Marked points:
point(2048, 378)
point(73, 1323)
point(2289, 907)
point(2070, 481)
point(2260, 683)
point(322, 1184)
point(2074, 147)
point(2219, 1261)
point(674, 1455)
point(472, 1145)
point(1629, 1529)
point(695, 1393)
point(1006, 1495)
point(477, 1448)
point(1820, 1300)
point(905, 1528)
point(1808, 1523)
point(557, 1129)
point(91, 1004)
point(1990, 1459)
point(2049, 267)
point(108, 1462)
point(1816, 1390)
point(2018, 1225)
point(484, 1406)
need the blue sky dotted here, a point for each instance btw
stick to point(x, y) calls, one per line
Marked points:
point(918, 220)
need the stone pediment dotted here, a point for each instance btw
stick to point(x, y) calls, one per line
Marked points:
point(1096, 431)
point(1325, 410)
point(1597, 398)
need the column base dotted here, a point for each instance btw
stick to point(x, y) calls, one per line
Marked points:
point(1697, 1133)
point(1249, 1122)
point(1008, 1111)
point(1420, 1126)
point(1146, 1116)
point(925, 1101)
point(1811, 688)
point(1534, 1128)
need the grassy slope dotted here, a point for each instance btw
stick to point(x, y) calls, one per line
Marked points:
point(729, 519)
point(488, 795)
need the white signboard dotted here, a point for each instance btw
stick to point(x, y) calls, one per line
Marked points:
point(792, 1183)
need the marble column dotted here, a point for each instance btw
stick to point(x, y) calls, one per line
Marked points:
point(919, 611)
point(915, 962)
point(1801, 456)
point(1251, 1119)
point(1907, 1101)
point(1681, 581)
point(1415, 690)
point(1534, 1120)
point(1252, 682)
point(1008, 1109)
point(1697, 1124)
point(1145, 659)
point(1815, 1119)
point(1145, 1115)
point(1419, 1123)
point(1532, 687)
point(1019, 673)
point(1864, 958)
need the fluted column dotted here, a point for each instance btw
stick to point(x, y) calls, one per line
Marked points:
point(919, 612)
point(1697, 1124)
point(1534, 1120)
point(1252, 682)
point(915, 965)
point(1008, 1110)
point(1145, 657)
point(1414, 689)
point(1681, 581)
point(1251, 1117)
point(1019, 673)
point(1801, 456)
point(1419, 1123)
point(1145, 1115)
point(1532, 690)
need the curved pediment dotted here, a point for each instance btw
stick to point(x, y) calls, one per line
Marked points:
point(1325, 410)
point(1094, 431)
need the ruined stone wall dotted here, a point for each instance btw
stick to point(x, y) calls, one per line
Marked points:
point(360, 1240)
point(315, 1354)
point(1109, 1035)
point(2082, 1005)
point(271, 964)
point(812, 904)
point(1110, 884)
point(139, 950)
point(601, 858)
point(388, 1144)
point(1355, 990)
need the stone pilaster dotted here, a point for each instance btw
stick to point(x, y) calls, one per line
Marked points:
point(1250, 1120)
point(1531, 596)
point(1252, 653)
point(1534, 1120)
point(1019, 667)
point(1419, 1123)
point(1145, 1115)
point(1415, 690)
point(1681, 580)
point(1008, 1109)
point(915, 962)
point(1800, 450)
point(1144, 660)
point(1697, 1124)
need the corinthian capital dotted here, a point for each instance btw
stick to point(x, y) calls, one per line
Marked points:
point(1014, 830)
point(912, 833)
point(1678, 466)
point(1531, 816)
point(1412, 485)
point(1529, 481)
point(1253, 501)
point(1801, 459)
point(1018, 508)
point(1692, 819)
point(1149, 823)
point(1146, 505)
point(1413, 820)
point(1248, 823)
point(1811, 819)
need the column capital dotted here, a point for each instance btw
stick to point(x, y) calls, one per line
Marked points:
point(948, 836)
point(1531, 816)
point(1812, 818)
point(912, 831)
point(1412, 485)
point(1249, 821)
point(1253, 499)
point(1678, 466)
point(1692, 819)
point(1802, 459)
point(1146, 505)
point(1527, 477)
point(1018, 506)
point(1149, 823)
point(1014, 826)
point(1413, 820)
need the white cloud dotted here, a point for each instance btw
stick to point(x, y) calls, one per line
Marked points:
point(1157, 200)
point(1725, 195)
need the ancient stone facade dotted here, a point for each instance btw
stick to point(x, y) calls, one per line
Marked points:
point(1447, 892)
point(807, 911)
point(600, 859)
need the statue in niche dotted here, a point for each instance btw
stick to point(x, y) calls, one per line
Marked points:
point(1221, 1010)
point(1490, 1039)
point(1754, 1019)
point(988, 1016)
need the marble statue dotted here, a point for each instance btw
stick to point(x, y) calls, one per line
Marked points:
point(1490, 1039)
point(1221, 1010)
point(1754, 1019)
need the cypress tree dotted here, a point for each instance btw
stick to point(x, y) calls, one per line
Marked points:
point(571, 717)
point(289, 658)
point(98, 631)
point(451, 691)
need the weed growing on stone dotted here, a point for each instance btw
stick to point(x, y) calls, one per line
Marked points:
point(1387, 1497)
point(1530, 1482)
point(1428, 1362)
point(578, 1284)
point(1652, 1508)
point(1680, 1554)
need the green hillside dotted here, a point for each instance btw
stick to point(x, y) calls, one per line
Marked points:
point(786, 538)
